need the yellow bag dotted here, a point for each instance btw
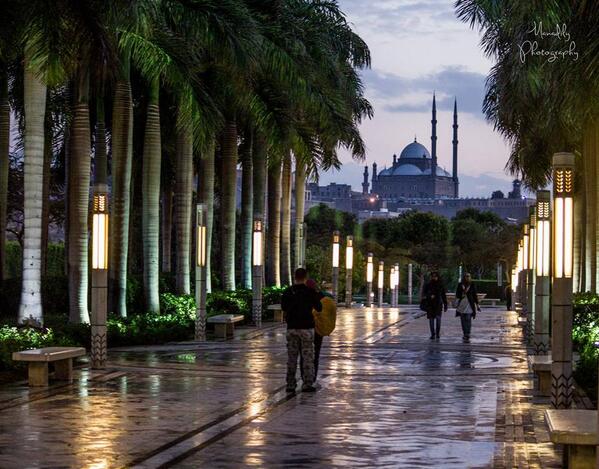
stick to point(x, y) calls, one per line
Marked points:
point(326, 319)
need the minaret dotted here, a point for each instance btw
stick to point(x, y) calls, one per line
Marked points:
point(434, 147)
point(373, 177)
point(456, 182)
point(365, 183)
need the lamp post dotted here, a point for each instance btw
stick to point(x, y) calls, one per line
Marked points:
point(532, 252)
point(369, 278)
point(381, 282)
point(301, 240)
point(396, 289)
point(349, 264)
point(304, 244)
point(519, 270)
point(542, 289)
point(200, 322)
point(99, 276)
point(257, 266)
point(499, 274)
point(335, 279)
point(392, 286)
point(409, 283)
point(561, 307)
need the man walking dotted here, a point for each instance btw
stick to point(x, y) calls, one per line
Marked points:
point(297, 302)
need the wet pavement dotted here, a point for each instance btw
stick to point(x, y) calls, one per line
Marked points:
point(388, 397)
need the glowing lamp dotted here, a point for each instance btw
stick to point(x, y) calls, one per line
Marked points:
point(369, 268)
point(336, 239)
point(100, 231)
point(543, 229)
point(349, 253)
point(525, 246)
point(563, 214)
point(201, 235)
point(532, 239)
point(381, 274)
point(257, 243)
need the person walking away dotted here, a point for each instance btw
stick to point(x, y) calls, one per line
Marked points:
point(467, 304)
point(435, 298)
point(508, 297)
point(298, 301)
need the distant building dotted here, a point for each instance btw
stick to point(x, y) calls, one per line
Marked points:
point(416, 174)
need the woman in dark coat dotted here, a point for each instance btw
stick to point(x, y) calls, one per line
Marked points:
point(436, 302)
point(467, 304)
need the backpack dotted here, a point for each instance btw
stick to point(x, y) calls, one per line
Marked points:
point(324, 322)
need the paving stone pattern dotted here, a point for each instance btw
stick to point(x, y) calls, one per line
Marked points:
point(388, 397)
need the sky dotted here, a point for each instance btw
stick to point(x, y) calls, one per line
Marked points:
point(417, 47)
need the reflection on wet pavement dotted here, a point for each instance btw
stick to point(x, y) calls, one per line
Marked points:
point(389, 397)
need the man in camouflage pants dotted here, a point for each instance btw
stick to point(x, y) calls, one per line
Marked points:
point(298, 301)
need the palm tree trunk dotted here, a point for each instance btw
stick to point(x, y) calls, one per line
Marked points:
point(122, 156)
point(228, 203)
point(246, 211)
point(259, 174)
point(100, 154)
point(48, 140)
point(286, 221)
point(34, 97)
point(167, 227)
point(300, 195)
point(579, 211)
point(183, 196)
point(79, 205)
point(4, 164)
point(589, 179)
point(273, 253)
point(151, 202)
point(206, 196)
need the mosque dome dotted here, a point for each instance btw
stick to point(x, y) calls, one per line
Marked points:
point(414, 150)
point(407, 170)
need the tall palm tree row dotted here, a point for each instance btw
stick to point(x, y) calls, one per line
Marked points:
point(261, 84)
point(542, 107)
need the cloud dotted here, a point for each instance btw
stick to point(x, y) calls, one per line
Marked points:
point(398, 93)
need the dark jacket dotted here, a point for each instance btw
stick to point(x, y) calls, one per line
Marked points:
point(435, 297)
point(298, 302)
point(471, 295)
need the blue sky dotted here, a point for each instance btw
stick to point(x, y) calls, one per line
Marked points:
point(419, 46)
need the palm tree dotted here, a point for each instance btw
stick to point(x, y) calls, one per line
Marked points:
point(30, 308)
point(122, 156)
point(183, 209)
point(246, 210)
point(4, 163)
point(286, 221)
point(228, 202)
point(273, 237)
point(152, 157)
point(300, 196)
point(79, 168)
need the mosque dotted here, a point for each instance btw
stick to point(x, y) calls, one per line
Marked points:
point(416, 174)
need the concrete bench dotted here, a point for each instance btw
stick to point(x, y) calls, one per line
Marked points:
point(38, 360)
point(491, 301)
point(576, 429)
point(279, 316)
point(224, 324)
point(541, 367)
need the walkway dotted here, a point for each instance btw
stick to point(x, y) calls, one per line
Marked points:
point(390, 397)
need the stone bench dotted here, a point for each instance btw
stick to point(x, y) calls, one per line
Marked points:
point(224, 324)
point(541, 367)
point(278, 314)
point(576, 429)
point(38, 359)
point(492, 301)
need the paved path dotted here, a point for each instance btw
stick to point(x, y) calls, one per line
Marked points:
point(389, 397)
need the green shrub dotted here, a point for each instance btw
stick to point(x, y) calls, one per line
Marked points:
point(13, 339)
point(585, 333)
